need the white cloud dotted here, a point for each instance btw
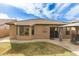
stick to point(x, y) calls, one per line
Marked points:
point(58, 5)
point(15, 3)
point(73, 12)
point(47, 13)
point(34, 8)
point(76, 19)
point(62, 6)
point(30, 8)
point(4, 16)
point(18, 3)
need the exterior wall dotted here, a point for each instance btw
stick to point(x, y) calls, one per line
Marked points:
point(13, 34)
point(12, 31)
point(4, 32)
point(71, 32)
point(41, 32)
point(66, 36)
point(23, 37)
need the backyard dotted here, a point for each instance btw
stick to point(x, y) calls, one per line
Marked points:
point(33, 49)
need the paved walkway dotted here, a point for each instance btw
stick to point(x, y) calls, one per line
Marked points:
point(66, 43)
point(6, 39)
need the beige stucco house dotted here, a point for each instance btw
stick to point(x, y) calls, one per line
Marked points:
point(37, 29)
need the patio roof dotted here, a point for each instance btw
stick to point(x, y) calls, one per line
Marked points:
point(71, 25)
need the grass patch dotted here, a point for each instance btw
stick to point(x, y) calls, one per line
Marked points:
point(36, 49)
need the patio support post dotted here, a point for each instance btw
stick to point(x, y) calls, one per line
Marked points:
point(30, 31)
point(60, 34)
point(76, 35)
point(76, 31)
point(71, 34)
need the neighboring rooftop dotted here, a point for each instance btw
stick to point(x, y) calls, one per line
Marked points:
point(3, 21)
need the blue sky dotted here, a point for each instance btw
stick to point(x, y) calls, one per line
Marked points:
point(51, 11)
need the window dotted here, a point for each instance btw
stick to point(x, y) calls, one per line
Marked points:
point(67, 31)
point(22, 30)
point(56, 28)
point(26, 31)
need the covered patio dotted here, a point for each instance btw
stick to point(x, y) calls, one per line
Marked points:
point(74, 32)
